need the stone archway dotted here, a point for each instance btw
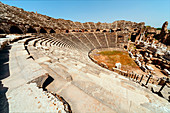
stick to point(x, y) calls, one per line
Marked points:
point(104, 31)
point(52, 31)
point(118, 29)
point(133, 38)
point(85, 30)
point(125, 46)
point(67, 31)
point(135, 29)
point(15, 30)
point(92, 30)
point(31, 30)
point(97, 30)
point(42, 30)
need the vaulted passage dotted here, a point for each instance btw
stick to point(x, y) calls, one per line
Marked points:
point(67, 31)
point(85, 30)
point(118, 29)
point(97, 30)
point(2, 31)
point(15, 30)
point(125, 46)
point(31, 30)
point(42, 30)
point(52, 31)
point(135, 29)
point(92, 30)
point(133, 38)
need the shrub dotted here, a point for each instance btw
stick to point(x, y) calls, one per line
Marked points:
point(158, 28)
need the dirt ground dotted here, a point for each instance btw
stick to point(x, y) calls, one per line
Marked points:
point(127, 63)
point(112, 57)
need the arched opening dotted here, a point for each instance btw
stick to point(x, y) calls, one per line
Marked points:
point(92, 30)
point(67, 31)
point(15, 30)
point(52, 31)
point(97, 30)
point(104, 31)
point(135, 29)
point(111, 30)
point(118, 29)
point(120, 36)
point(80, 30)
point(2, 31)
point(125, 46)
point(85, 30)
point(42, 30)
point(31, 30)
point(73, 31)
point(133, 38)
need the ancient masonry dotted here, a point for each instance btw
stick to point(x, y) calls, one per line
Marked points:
point(54, 54)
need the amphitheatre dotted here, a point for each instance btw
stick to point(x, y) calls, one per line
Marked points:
point(51, 65)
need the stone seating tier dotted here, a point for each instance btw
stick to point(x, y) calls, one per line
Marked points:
point(85, 40)
point(73, 72)
point(102, 39)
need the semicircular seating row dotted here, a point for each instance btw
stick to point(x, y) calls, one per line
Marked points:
point(76, 77)
point(66, 56)
point(85, 41)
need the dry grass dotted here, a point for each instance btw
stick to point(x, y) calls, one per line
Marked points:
point(111, 57)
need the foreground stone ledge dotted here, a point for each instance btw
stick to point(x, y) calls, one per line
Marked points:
point(30, 98)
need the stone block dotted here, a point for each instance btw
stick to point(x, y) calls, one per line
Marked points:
point(43, 59)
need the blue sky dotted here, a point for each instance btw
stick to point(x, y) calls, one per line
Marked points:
point(152, 12)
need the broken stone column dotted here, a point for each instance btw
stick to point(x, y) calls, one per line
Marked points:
point(164, 32)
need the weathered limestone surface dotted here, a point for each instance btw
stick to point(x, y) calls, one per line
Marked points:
point(86, 86)
point(164, 33)
point(43, 59)
point(114, 92)
point(16, 71)
point(29, 98)
point(106, 91)
point(24, 20)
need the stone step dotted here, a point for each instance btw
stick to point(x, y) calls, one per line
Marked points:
point(79, 101)
point(21, 68)
point(61, 70)
point(35, 53)
point(82, 102)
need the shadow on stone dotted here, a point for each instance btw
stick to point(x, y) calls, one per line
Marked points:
point(4, 105)
point(4, 73)
point(4, 62)
point(67, 107)
point(159, 94)
point(31, 57)
point(47, 82)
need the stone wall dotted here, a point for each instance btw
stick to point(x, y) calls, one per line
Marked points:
point(23, 20)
